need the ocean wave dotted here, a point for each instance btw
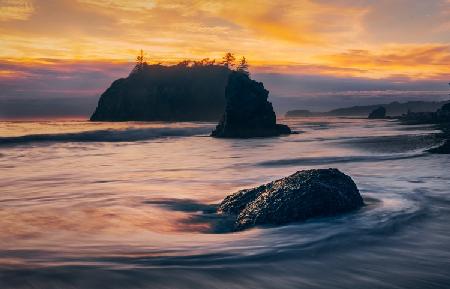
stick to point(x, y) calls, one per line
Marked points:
point(395, 144)
point(107, 135)
point(383, 217)
point(337, 160)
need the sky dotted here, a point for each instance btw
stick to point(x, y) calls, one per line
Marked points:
point(63, 52)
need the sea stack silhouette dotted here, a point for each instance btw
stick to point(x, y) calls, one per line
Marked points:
point(187, 91)
point(193, 91)
point(378, 113)
point(247, 112)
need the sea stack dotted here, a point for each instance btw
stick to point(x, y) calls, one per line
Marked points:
point(182, 92)
point(303, 195)
point(378, 113)
point(247, 111)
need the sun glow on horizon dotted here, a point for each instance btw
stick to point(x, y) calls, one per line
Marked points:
point(341, 38)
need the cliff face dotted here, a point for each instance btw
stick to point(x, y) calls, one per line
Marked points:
point(247, 111)
point(166, 93)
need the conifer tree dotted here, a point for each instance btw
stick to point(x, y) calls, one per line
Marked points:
point(140, 62)
point(229, 60)
point(243, 66)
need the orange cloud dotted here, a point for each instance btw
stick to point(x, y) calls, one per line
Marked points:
point(15, 9)
point(419, 61)
point(358, 38)
point(301, 22)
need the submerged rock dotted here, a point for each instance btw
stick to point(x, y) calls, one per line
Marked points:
point(247, 112)
point(303, 195)
point(378, 113)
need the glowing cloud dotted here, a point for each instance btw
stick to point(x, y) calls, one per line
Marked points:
point(402, 39)
point(15, 9)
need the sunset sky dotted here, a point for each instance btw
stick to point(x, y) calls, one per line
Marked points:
point(76, 48)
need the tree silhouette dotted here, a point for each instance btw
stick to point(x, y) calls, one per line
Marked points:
point(243, 66)
point(228, 60)
point(140, 62)
point(204, 62)
point(185, 63)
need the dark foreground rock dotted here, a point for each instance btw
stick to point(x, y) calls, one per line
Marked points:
point(303, 195)
point(247, 111)
point(378, 113)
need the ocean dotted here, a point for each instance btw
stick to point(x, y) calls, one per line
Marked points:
point(131, 205)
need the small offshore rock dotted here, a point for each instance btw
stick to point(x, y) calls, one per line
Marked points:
point(378, 113)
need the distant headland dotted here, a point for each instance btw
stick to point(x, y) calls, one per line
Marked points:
point(392, 109)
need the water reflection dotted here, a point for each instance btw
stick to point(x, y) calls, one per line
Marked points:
point(144, 206)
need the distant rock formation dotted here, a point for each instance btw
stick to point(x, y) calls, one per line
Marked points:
point(392, 109)
point(441, 116)
point(247, 111)
point(182, 92)
point(378, 113)
point(303, 195)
